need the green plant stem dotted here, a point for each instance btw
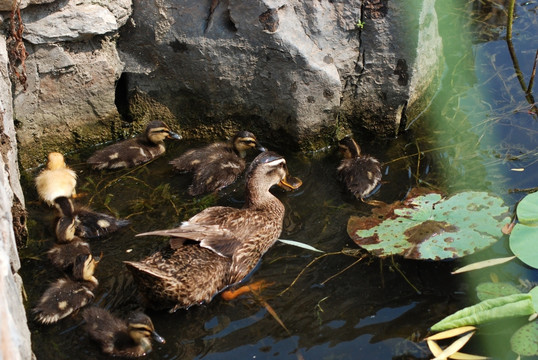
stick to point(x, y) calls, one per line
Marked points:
point(510, 20)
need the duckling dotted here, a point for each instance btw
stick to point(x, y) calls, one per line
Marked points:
point(66, 296)
point(88, 223)
point(66, 227)
point(220, 245)
point(118, 337)
point(56, 180)
point(136, 151)
point(63, 256)
point(360, 173)
point(217, 165)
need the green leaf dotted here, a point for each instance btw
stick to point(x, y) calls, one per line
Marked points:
point(524, 244)
point(428, 226)
point(534, 294)
point(299, 244)
point(491, 290)
point(527, 210)
point(488, 310)
point(524, 342)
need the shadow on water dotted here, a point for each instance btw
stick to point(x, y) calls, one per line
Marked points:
point(343, 304)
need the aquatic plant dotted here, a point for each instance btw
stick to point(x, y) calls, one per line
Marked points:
point(525, 232)
point(500, 301)
point(427, 225)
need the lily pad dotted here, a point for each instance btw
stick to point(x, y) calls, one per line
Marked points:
point(524, 236)
point(492, 290)
point(524, 244)
point(523, 342)
point(527, 210)
point(428, 226)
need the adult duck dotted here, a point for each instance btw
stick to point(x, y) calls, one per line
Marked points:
point(220, 245)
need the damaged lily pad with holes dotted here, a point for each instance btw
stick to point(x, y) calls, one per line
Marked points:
point(428, 226)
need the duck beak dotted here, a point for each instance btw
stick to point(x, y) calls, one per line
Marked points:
point(158, 338)
point(260, 147)
point(97, 259)
point(173, 135)
point(290, 183)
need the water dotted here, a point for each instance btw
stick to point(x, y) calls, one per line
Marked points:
point(342, 304)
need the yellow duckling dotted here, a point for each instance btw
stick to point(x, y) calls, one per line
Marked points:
point(56, 180)
point(66, 296)
point(135, 151)
point(217, 165)
point(118, 337)
point(360, 173)
point(228, 242)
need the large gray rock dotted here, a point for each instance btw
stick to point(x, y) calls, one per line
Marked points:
point(292, 66)
point(14, 331)
point(7, 5)
point(69, 97)
point(73, 20)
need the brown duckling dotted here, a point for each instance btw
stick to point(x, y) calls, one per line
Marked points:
point(220, 245)
point(118, 337)
point(360, 173)
point(66, 296)
point(63, 256)
point(217, 165)
point(56, 180)
point(89, 224)
point(135, 151)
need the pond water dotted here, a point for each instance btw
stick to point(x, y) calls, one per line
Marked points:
point(343, 304)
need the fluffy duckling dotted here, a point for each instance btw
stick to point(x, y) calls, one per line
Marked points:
point(56, 180)
point(66, 227)
point(360, 173)
point(118, 337)
point(220, 245)
point(135, 151)
point(217, 165)
point(89, 224)
point(63, 256)
point(66, 296)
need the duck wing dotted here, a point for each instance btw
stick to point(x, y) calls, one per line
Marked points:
point(209, 227)
point(191, 159)
point(217, 174)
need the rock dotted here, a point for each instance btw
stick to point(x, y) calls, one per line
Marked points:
point(73, 20)
point(6, 5)
point(69, 100)
point(288, 66)
point(14, 331)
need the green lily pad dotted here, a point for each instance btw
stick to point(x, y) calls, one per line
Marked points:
point(527, 210)
point(428, 226)
point(524, 244)
point(523, 342)
point(492, 290)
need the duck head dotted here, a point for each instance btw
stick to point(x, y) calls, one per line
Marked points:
point(349, 148)
point(141, 329)
point(157, 131)
point(244, 140)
